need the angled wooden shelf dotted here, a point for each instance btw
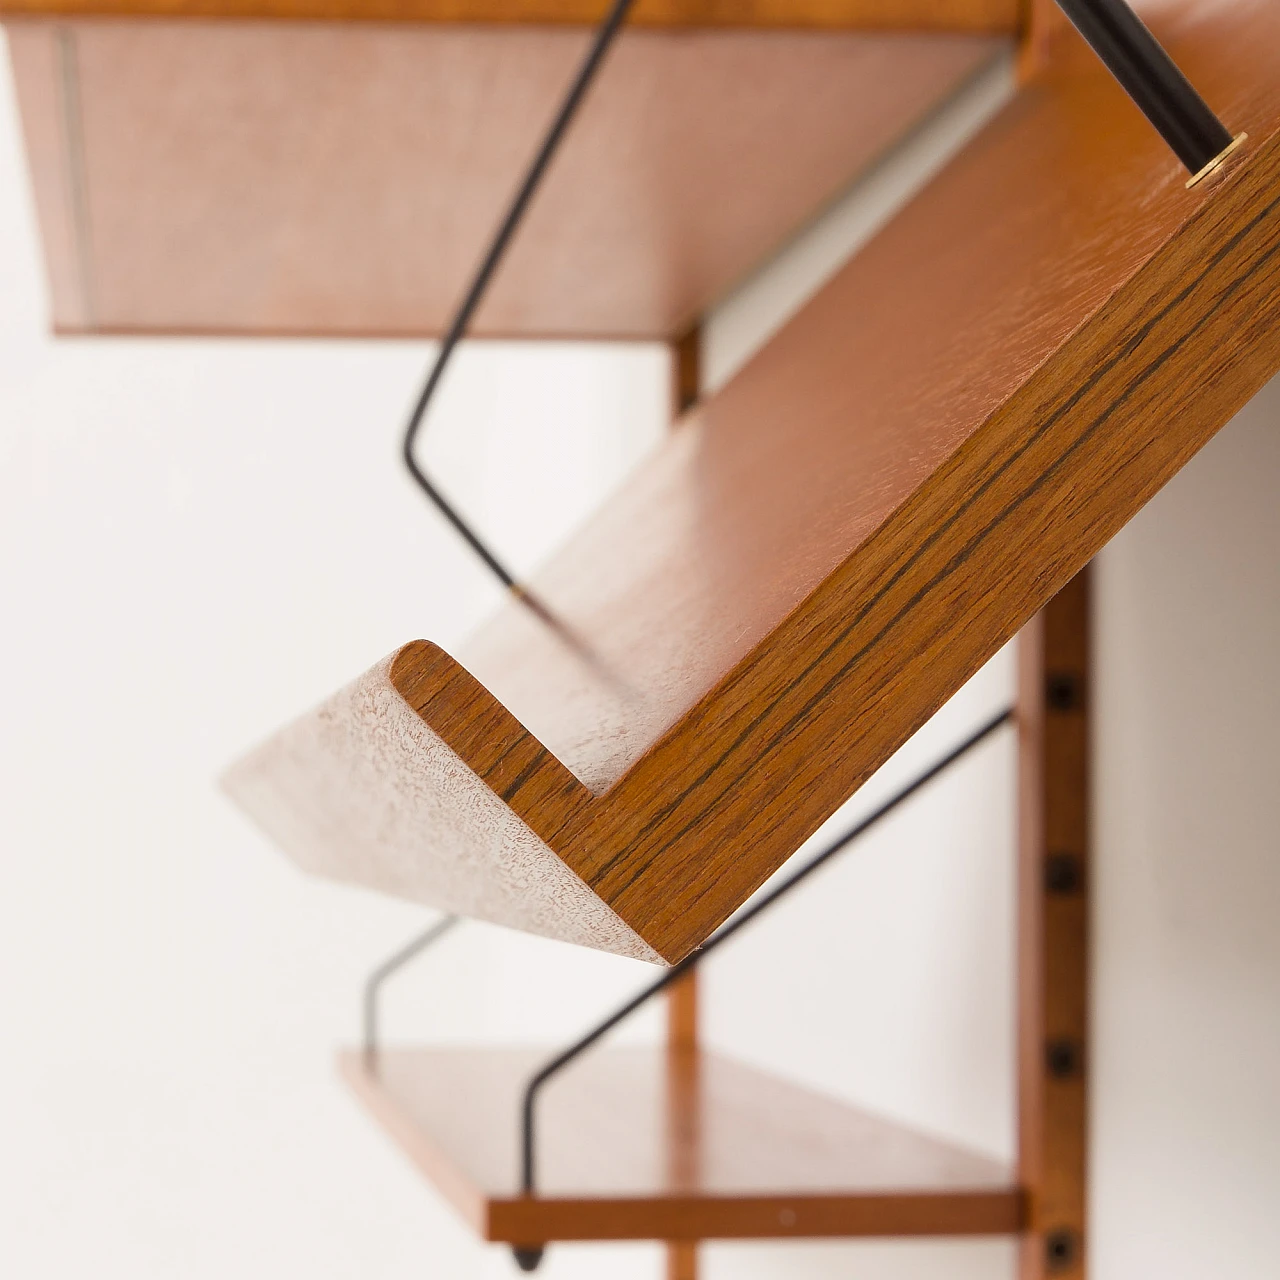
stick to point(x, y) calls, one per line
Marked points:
point(637, 1144)
point(273, 178)
point(832, 544)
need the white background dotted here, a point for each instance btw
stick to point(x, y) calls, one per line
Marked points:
point(198, 540)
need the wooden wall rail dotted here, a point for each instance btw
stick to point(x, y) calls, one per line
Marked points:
point(987, 16)
point(768, 1159)
point(1053, 933)
point(832, 544)
point(635, 1144)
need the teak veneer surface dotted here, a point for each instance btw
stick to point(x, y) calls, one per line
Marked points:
point(278, 178)
point(889, 15)
point(760, 1158)
point(832, 544)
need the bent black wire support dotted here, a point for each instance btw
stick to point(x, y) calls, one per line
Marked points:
point(489, 264)
point(1154, 82)
point(528, 1256)
point(394, 962)
point(1117, 35)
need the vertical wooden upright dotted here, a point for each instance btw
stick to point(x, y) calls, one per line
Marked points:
point(1053, 933)
point(682, 999)
point(686, 370)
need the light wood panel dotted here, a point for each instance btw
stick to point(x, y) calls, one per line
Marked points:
point(832, 544)
point(1053, 944)
point(892, 15)
point(308, 178)
point(766, 1158)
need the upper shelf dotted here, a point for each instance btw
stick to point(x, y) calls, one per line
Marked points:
point(344, 178)
point(831, 545)
point(990, 16)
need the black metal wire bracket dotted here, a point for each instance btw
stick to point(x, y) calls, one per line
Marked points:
point(1152, 79)
point(393, 963)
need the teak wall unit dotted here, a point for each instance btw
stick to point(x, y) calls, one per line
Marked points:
point(918, 463)
point(834, 542)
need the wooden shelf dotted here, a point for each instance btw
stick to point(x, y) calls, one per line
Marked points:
point(990, 16)
point(831, 545)
point(343, 179)
point(639, 1144)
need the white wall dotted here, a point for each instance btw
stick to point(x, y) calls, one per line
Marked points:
point(1186, 1093)
point(198, 539)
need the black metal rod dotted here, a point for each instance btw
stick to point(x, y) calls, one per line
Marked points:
point(373, 984)
point(723, 934)
point(497, 249)
point(1152, 79)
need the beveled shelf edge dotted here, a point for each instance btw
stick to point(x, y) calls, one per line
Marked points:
point(982, 17)
point(513, 1219)
point(488, 739)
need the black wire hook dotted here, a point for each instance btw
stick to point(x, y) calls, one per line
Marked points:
point(392, 964)
point(528, 1256)
point(458, 326)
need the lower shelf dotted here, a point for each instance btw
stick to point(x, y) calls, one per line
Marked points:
point(640, 1144)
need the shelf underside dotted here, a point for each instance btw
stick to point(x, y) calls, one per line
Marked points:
point(638, 1144)
point(343, 178)
point(990, 16)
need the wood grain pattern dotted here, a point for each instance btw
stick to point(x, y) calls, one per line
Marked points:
point(772, 1159)
point(230, 189)
point(884, 15)
point(1053, 926)
point(834, 542)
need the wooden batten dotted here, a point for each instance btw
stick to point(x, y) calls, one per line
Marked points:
point(834, 542)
